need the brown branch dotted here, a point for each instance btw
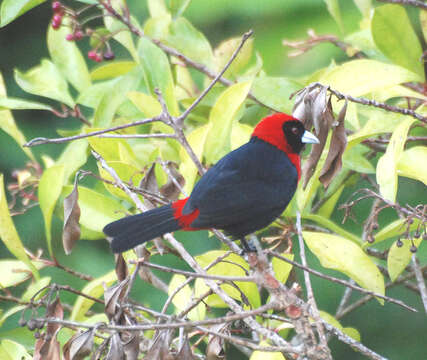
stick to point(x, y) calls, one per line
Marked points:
point(415, 3)
point(420, 281)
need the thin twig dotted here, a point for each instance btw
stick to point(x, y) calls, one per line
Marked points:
point(415, 3)
point(138, 136)
point(309, 289)
point(420, 281)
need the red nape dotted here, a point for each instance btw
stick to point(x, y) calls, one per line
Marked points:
point(270, 129)
point(184, 220)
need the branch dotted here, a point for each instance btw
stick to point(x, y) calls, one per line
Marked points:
point(420, 281)
point(415, 3)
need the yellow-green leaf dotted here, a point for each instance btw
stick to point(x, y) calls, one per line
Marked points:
point(395, 228)
point(240, 134)
point(67, 56)
point(409, 164)
point(11, 9)
point(182, 299)
point(112, 70)
point(147, 104)
point(95, 289)
point(50, 187)
point(233, 265)
point(14, 272)
point(73, 157)
point(281, 268)
point(328, 206)
point(45, 80)
point(8, 233)
point(221, 119)
point(334, 9)
point(35, 287)
point(11, 350)
point(338, 253)
point(372, 75)
point(266, 355)
point(399, 257)
point(387, 164)
point(395, 37)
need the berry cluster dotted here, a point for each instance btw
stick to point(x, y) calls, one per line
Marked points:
point(58, 13)
point(96, 54)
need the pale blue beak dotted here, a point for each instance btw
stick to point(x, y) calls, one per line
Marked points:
point(309, 138)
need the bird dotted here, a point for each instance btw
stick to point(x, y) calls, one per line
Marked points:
point(243, 192)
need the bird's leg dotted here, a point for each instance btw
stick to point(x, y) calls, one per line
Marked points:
point(248, 246)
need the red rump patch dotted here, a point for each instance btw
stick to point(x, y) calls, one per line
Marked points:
point(184, 221)
point(270, 129)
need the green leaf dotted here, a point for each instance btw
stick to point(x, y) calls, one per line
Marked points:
point(157, 8)
point(35, 287)
point(14, 272)
point(184, 37)
point(423, 22)
point(197, 140)
point(372, 75)
point(113, 149)
point(409, 164)
point(12, 9)
point(7, 122)
point(335, 323)
point(355, 159)
point(221, 119)
point(399, 257)
point(281, 268)
point(67, 57)
point(147, 104)
point(73, 157)
point(11, 350)
point(158, 73)
point(7, 314)
point(128, 173)
point(121, 31)
point(233, 265)
point(20, 104)
point(45, 80)
point(328, 206)
point(182, 298)
point(111, 70)
point(224, 51)
point(8, 233)
point(387, 164)
point(393, 229)
point(50, 187)
point(364, 7)
point(92, 96)
point(95, 289)
point(177, 7)
point(240, 134)
point(334, 9)
point(394, 36)
point(338, 253)
point(97, 210)
point(275, 92)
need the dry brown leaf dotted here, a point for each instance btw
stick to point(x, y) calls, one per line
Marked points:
point(131, 344)
point(160, 348)
point(54, 310)
point(112, 295)
point(79, 346)
point(71, 230)
point(115, 350)
point(121, 267)
point(185, 352)
point(170, 190)
point(333, 162)
point(216, 345)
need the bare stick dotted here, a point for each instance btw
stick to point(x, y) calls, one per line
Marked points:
point(420, 281)
point(415, 3)
point(310, 294)
point(138, 136)
point(182, 117)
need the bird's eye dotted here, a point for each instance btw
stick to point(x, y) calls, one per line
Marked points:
point(294, 130)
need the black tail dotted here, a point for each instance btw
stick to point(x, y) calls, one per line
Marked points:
point(133, 230)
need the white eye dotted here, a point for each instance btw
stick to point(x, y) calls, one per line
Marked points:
point(294, 130)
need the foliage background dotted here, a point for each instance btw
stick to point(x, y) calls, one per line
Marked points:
point(387, 329)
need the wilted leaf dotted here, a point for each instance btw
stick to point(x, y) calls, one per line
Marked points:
point(121, 267)
point(394, 36)
point(338, 253)
point(131, 342)
point(79, 346)
point(54, 310)
point(333, 162)
point(215, 349)
point(387, 164)
point(71, 229)
point(50, 186)
point(113, 295)
point(160, 347)
point(399, 257)
point(47, 349)
point(116, 350)
point(45, 80)
point(170, 190)
point(185, 352)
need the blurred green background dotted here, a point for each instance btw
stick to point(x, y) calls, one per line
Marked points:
point(22, 45)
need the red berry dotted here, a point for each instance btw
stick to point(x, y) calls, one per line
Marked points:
point(92, 55)
point(78, 35)
point(56, 25)
point(70, 37)
point(56, 6)
point(109, 55)
point(98, 58)
point(57, 18)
